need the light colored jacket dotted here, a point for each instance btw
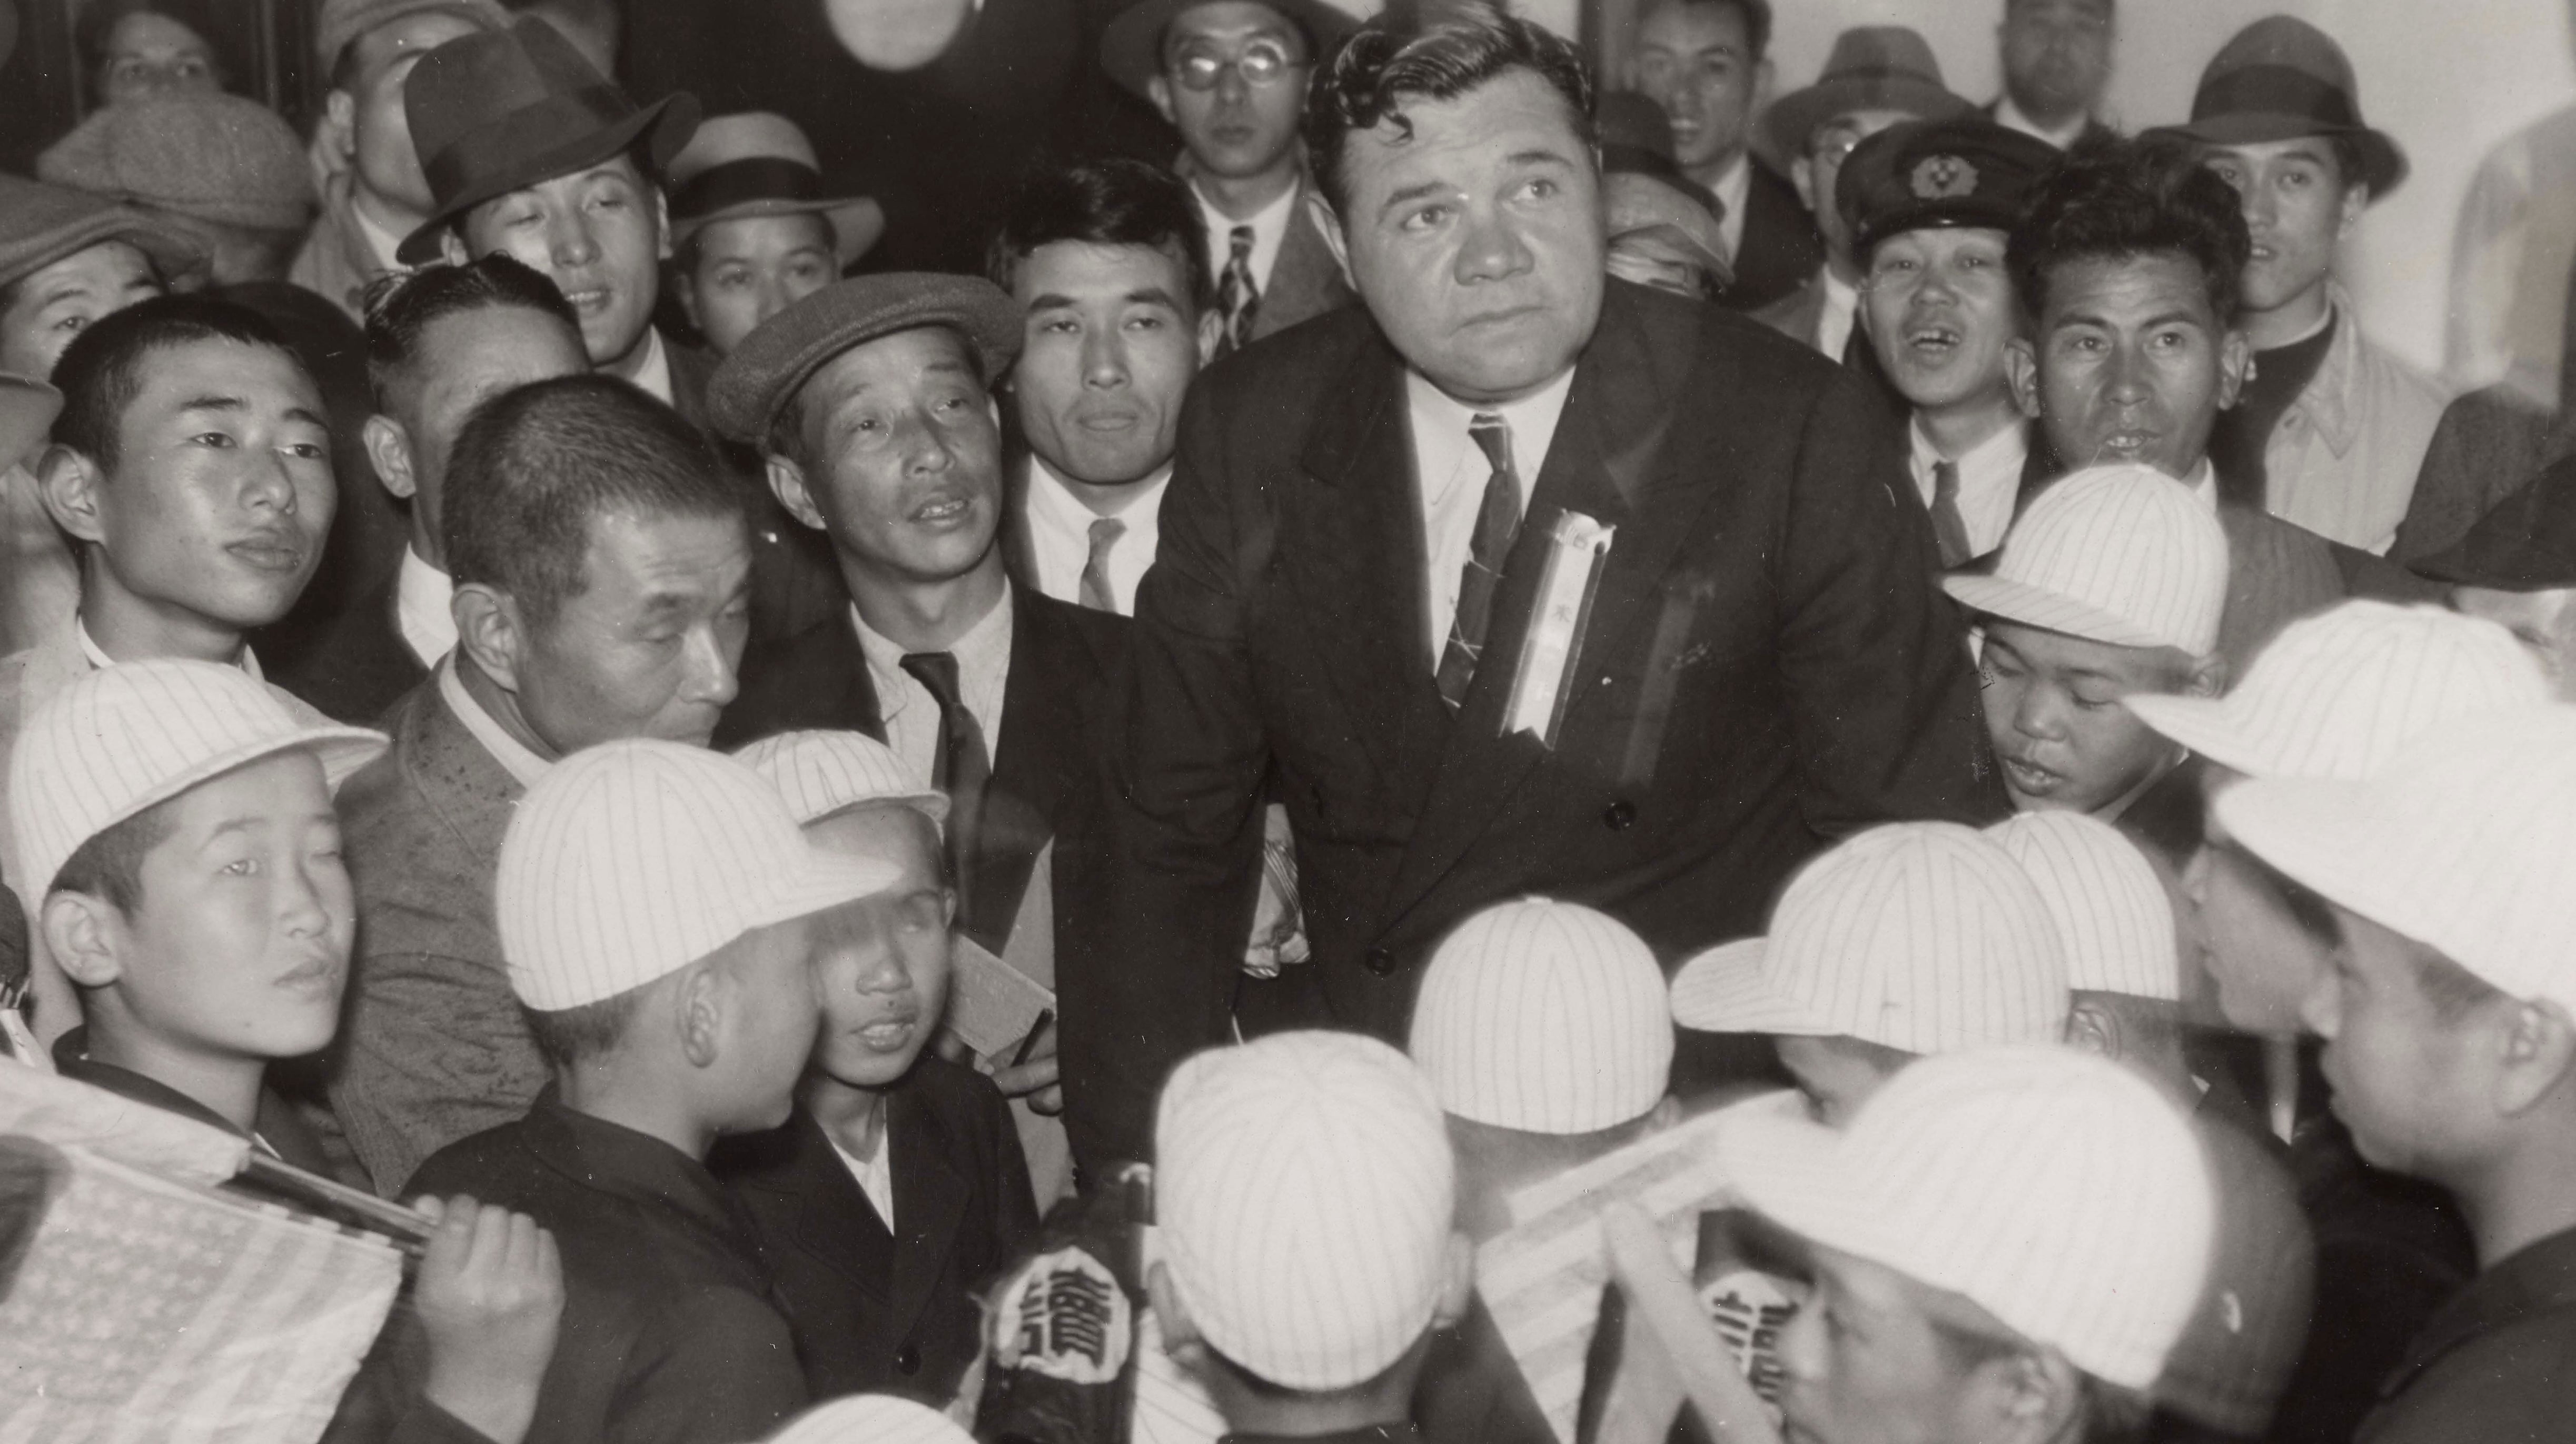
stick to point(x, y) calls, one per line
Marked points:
point(336, 260)
point(2343, 459)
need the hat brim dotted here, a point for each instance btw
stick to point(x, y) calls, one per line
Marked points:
point(2331, 837)
point(175, 255)
point(756, 382)
point(2383, 165)
point(665, 126)
point(2020, 602)
point(2206, 725)
point(340, 750)
point(1723, 991)
point(1131, 43)
point(827, 880)
point(1795, 116)
point(858, 222)
point(1792, 1170)
point(933, 805)
point(27, 412)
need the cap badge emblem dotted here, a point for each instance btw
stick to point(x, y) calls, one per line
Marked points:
point(1944, 177)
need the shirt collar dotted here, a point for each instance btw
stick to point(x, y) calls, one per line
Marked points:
point(1051, 494)
point(1532, 419)
point(72, 1060)
point(1734, 191)
point(515, 756)
point(2009, 116)
point(422, 597)
point(655, 374)
point(97, 657)
point(2333, 398)
point(379, 240)
point(988, 642)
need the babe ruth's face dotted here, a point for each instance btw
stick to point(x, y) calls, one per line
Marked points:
point(1234, 85)
point(1695, 61)
point(648, 646)
point(884, 967)
point(1112, 342)
point(56, 301)
point(2129, 362)
point(1940, 313)
point(2053, 711)
point(1476, 236)
point(750, 269)
point(771, 1013)
point(2408, 1080)
point(1866, 1364)
point(2299, 207)
point(2253, 947)
point(2543, 621)
point(600, 235)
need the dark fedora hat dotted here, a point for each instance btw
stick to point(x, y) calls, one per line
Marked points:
point(2526, 543)
point(1926, 174)
point(501, 110)
point(2282, 78)
point(1871, 67)
point(1131, 44)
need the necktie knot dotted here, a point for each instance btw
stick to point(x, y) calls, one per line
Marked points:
point(937, 672)
point(1493, 436)
point(1239, 244)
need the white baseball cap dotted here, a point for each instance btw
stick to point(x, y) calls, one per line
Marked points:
point(2056, 1190)
point(2334, 695)
point(871, 1419)
point(1546, 1017)
point(822, 773)
point(2465, 842)
point(2118, 554)
point(122, 739)
point(1305, 1192)
point(631, 860)
point(2112, 911)
point(1921, 936)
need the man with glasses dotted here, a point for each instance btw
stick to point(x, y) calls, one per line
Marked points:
point(1231, 76)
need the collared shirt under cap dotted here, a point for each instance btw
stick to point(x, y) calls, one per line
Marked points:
point(907, 708)
point(422, 614)
point(1451, 470)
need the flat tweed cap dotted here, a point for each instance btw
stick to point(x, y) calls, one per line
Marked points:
point(222, 159)
point(41, 224)
point(756, 382)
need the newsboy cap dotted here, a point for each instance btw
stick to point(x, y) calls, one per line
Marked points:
point(222, 159)
point(1968, 172)
point(40, 224)
point(763, 374)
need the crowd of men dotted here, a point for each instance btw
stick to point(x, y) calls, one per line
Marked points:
point(1489, 645)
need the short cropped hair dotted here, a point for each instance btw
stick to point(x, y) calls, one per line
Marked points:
point(2118, 197)
point(1756, 13)
point(566, 1036)
point(1429, 50)
point(401, 307)
point(534, 467)
point(102, 371)
point(1109, 202)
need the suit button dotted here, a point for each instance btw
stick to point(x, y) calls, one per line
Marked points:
point(1619, 816)
point(907, 1360)
point(1380, 961)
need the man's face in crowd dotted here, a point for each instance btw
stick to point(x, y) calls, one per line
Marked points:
point(1865, 1363)
point(153, 54)
point(56, 301)
point(2299, 207)
point(2543, 621)
point(1695, 60)
point(1234, 84)
point(1941, 312)
point(1836, 1075)
point(2129, 362)
point(221, 491)
point(648, 646)
point(1112, 343)
point(2057, 56)
point(598, 234)
point(2407, 1080)
point(884, 968)
point(464, 359)
point(1476, 240)
point(904, 467)
point(2253, 947)
point(2053, 712)
point(379, 131)
point(751, 269)
point(1816, 172)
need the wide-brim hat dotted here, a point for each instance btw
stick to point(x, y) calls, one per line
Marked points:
point(40, 224)
point(1872, 67)
point(2282, 78)
point(760, 164)
point(1131, 45)
point(500, 110)
point(27, 412)
point(762, 374)
point(2525, 543)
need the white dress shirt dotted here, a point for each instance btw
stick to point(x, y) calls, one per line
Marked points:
point(379, 240)
point(421, 612)
point(515, 756)
point(98, 657)
point(1989, 480)
point(655, 377)
point(1453, 470)
point(911, 714)
point(1834, 323)
point(1269, 231)
point(874, 1174)
point(2009, 116)
point(1059, 532)
point(1733, 190)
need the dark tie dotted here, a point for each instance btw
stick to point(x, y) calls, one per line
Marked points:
point(961, 767)
point(1236, 296)
point(1496, 521)
point(1096, 592)
point(1949, 528)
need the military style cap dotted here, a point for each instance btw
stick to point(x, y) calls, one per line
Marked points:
point(1967, 172)
point(756, 382)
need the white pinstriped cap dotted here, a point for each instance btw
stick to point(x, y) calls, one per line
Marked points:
point(2118, 554)
point(1544, 1016)
point(121, 739)
point(1922, 936)
point(631, 860)
point(1304, 1188)
point(2465, 842)
point(2054, 1189)
point(2112, 911)
point(821, 773)
point(871, 1419)
point(2334, 695)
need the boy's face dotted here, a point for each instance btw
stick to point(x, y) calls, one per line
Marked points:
point(2299, 207)
point(2262, 960)
point(771, 1014)
point(56, 301)
point(1837, 1075)
point(1112, 342)
point(599, 235)
point(2407, 1080)
point(2053, 711)
point(222, 492)
point(884, 969)
point(1941, 313)
point(239, 944)
point(751, 269)
point(2129, 362)
point(1866, 1365)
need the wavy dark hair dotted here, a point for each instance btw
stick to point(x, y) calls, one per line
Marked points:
point(1107, 202)
point(2122, 197)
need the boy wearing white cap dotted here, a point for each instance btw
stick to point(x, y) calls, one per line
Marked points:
point(2450, 1027)
point(898, 1186)
point(181, 818)
point(663, 923)
point(1305, 1195)
point(2111, 584)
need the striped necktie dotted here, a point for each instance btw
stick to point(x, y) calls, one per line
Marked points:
point(1497, 520)
point(1236, 296)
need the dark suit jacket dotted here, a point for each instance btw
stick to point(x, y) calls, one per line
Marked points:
point(874, 1309)
point(1305, 281)
point(1780, 249)
point(357, 665)
point(1768, 666)
point(1045, 776)
point(794, 581)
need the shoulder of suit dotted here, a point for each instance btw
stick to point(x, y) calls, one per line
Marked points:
point(1291, 363)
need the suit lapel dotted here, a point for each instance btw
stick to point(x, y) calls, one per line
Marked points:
point(929, 1201)
point(1040, 757)
point(834, 1220)
point(1304, 281)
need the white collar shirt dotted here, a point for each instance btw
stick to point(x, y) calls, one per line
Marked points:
point(1059, 533)
point(97, 656)
point(1989, 480)
point(875, 1174)
point(516, 757)
point(1733, 190)
point(1269, 232)
point(1452, 470)
point(379, 240)
point(1834, 322)
point(422, 614)
point(910, 713)
point(655, 376)
point(2010, 117)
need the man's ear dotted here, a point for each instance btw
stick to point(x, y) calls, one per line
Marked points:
point(698, 1003)
point(389, 448)
point(491, 630)
point(1159, 90)
point(2539, 1047)
point(1328, 221)
point(1802, 174)
point(71, 487)
point(83, 933)
point(451, 247)
point(2356, 199)
point(338, 133)
point(2235, 368)
point(1457, 1283)
point(2093, 1028)
point(787, 483)
point(1211, 333)
point(2026, 1396)
point(2021, 369)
